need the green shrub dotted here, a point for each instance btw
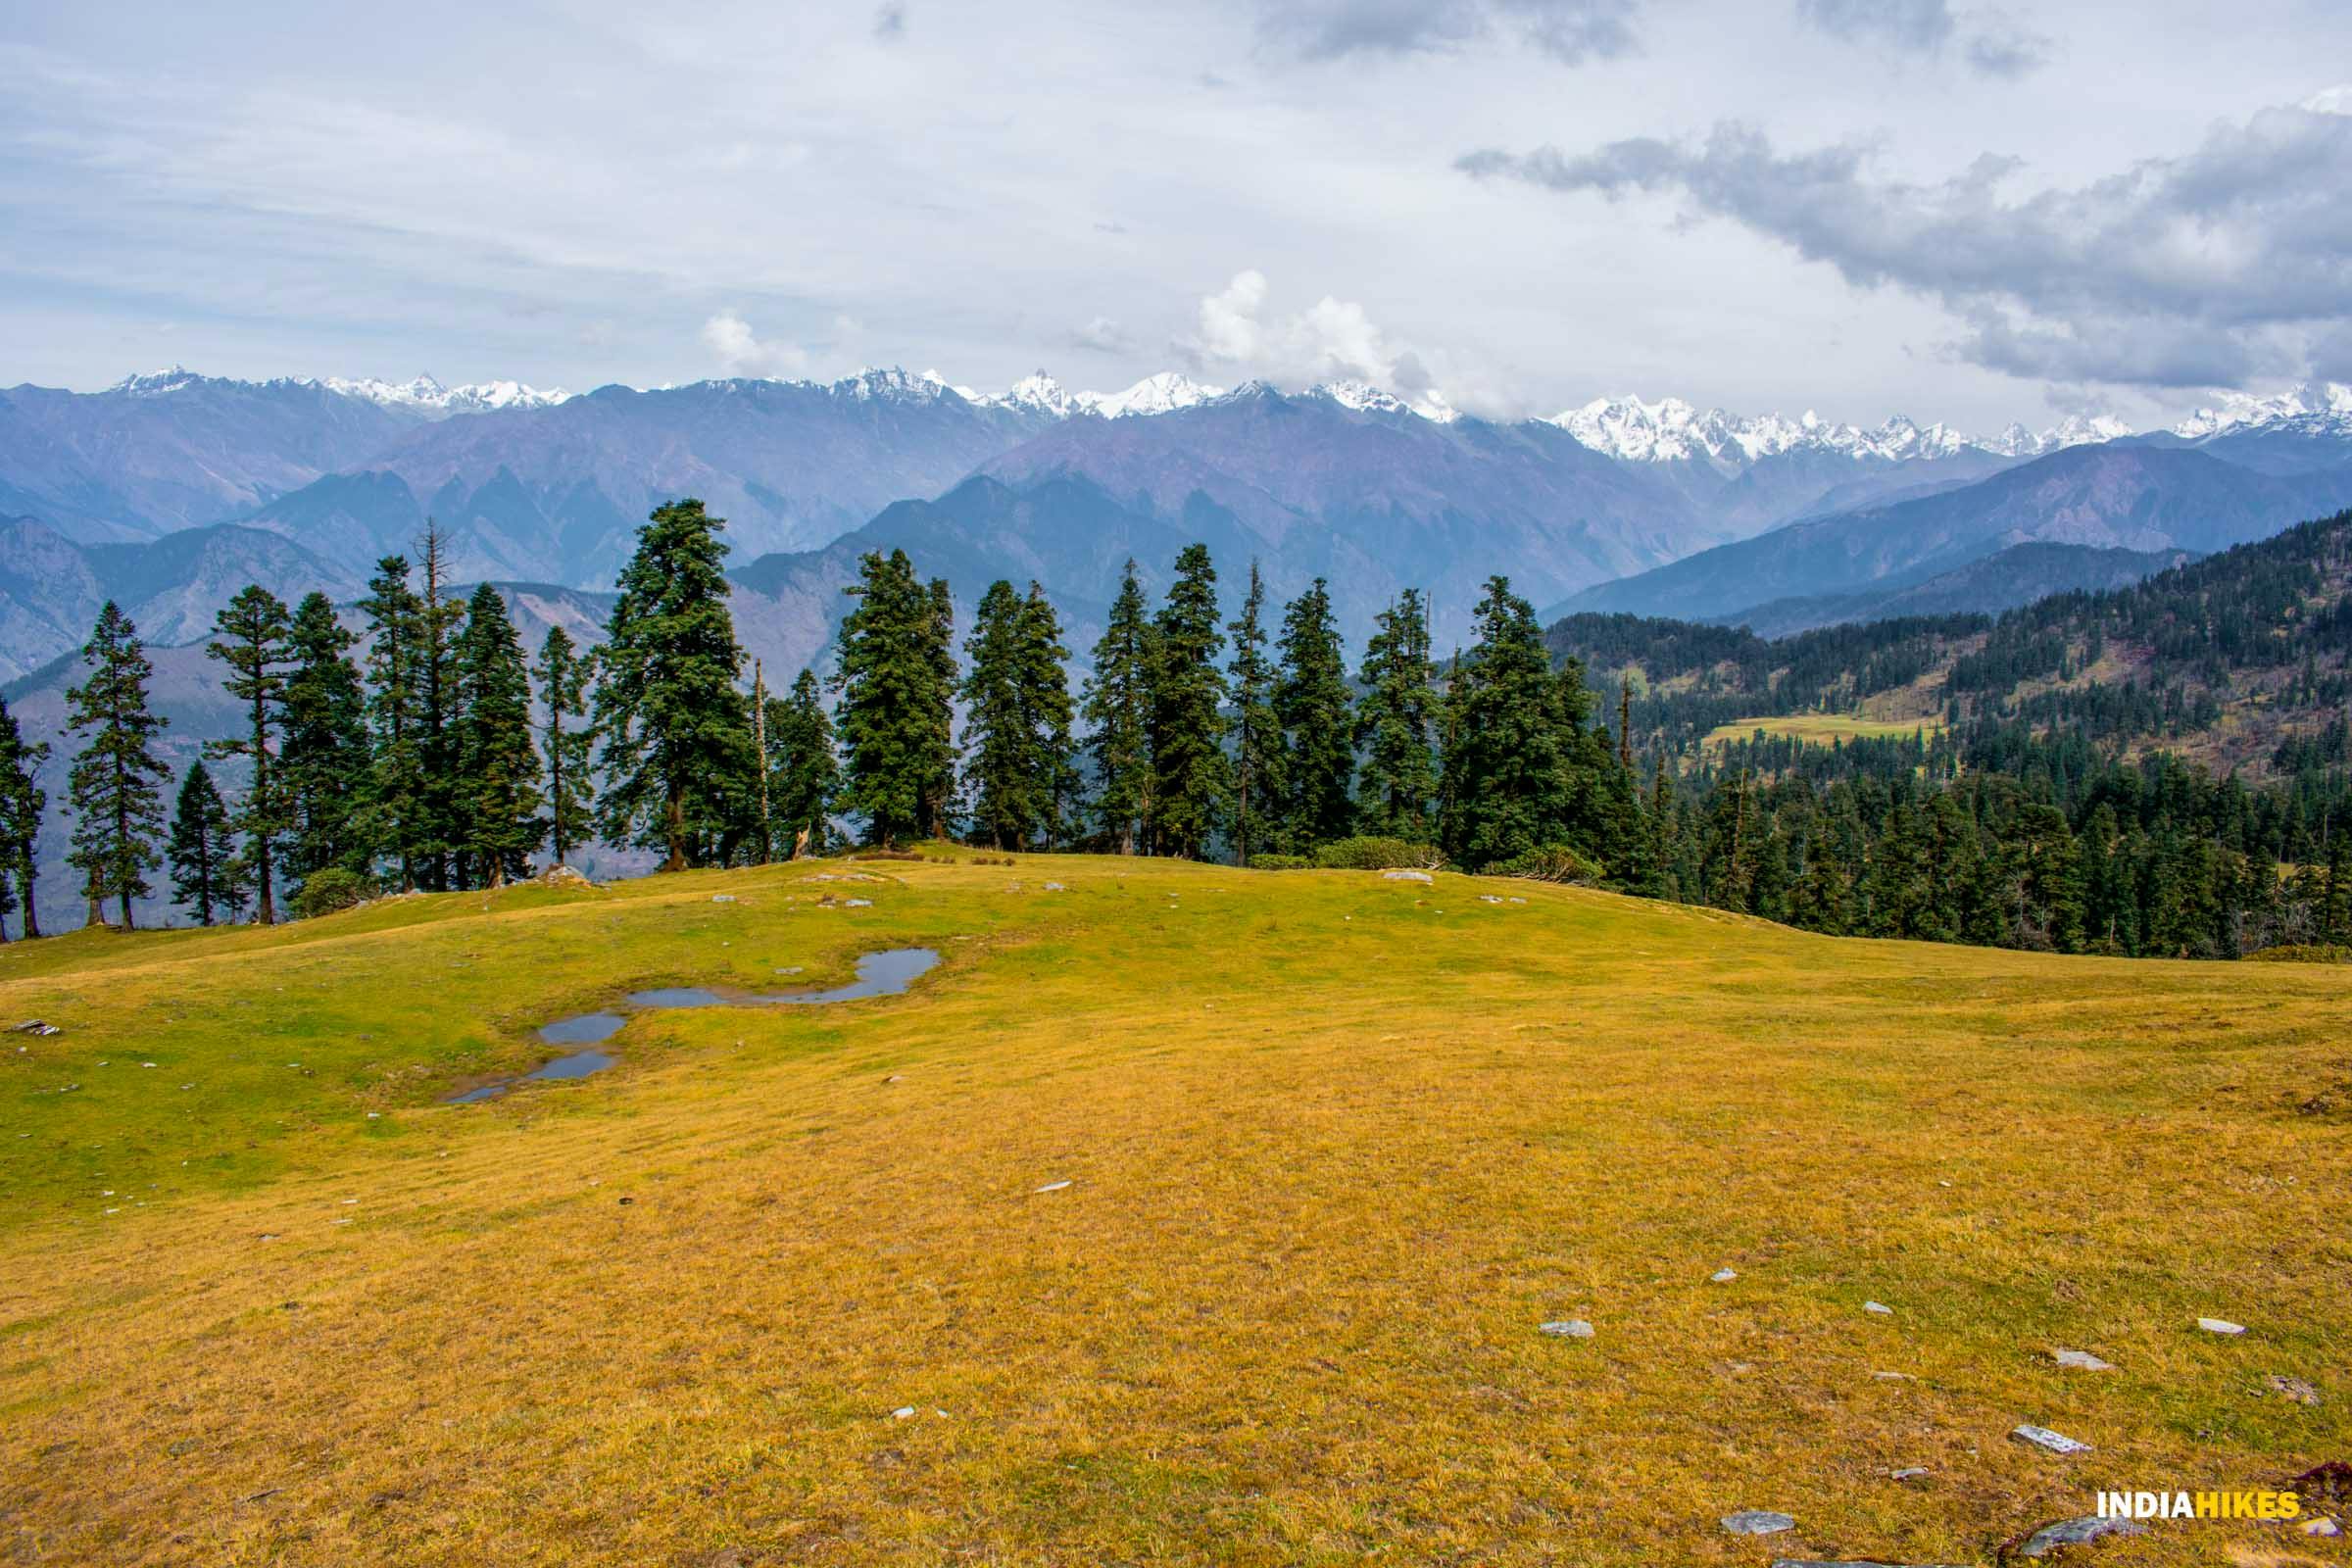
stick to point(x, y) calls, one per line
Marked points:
point(326, 892)
point(1279, 863)
point(1554, 862)
point(1375, 854)
point(2303, 953)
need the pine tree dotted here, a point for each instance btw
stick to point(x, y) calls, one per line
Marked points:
point(201, 848)
point(1312, 704)
point(115, 789)
point(1045, 684)
point(22, 803)
point(1504, 778)
point(1016, 738)
point(394, 810)
point(496, 792)
point(676, 730)
point(801, 770)
point(1117, 706)
point(439, 712)
point(562, 675)
point(1395, 725)
point(250, 636)
point(1000, 770)
point(894, 705)
point(1257, 755)
point(939, 651)
point(1191, 783)
point(323, 757)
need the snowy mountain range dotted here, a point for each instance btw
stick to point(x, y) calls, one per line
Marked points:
point(2322, 402)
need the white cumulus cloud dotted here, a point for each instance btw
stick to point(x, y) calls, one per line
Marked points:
point(742, 352)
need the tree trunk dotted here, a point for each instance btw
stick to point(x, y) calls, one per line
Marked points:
point(674, 826)
point(33, 919)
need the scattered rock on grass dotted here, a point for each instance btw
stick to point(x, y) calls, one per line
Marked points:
point(722, 898)
point(1054, 1187)
point(2082, 1360)
point(1406, 876)
point(2219, 1325)
point(857, 904)
point(2321, 1527)
point(564, 876)
point(2294, 1389)
point(2054, 1442)
point(1724, 1276)
point(1056, 887)
point(2076, 1533)
point(1573, 1328)
point(1915, 1472)
point(905, 1412)
point(1878, 1310)
point(1758, 1522)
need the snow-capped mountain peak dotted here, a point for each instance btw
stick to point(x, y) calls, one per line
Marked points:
point(156, 382)
point(1040, 393)
point(1164, 393)
point(2329, 399)
point(427, 395)
point(1672, 431)
point(2074, 430)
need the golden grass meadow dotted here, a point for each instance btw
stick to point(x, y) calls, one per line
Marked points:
point(803, 1285)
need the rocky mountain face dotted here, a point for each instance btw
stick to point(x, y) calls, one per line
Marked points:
point(2017, 575)
point(158, 453)
point(555, 492)
point(51, 588)
point(2119, 496)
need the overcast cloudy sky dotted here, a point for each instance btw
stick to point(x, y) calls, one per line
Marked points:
point(1937, 207)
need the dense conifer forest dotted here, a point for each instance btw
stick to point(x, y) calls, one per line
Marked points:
point(2054, 791)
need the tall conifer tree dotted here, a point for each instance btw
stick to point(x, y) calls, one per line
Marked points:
point(1117, 708)
point(804, 775)
point(1395, 725)
point(250, 636)
point(896, 702)
point(1257, 755)
point(563, 735)
point(116, 788)
point(1045, 701)
point(395, 794)
point(323, 757)
point(1505, 782)
point(1006, 776)
point(497, 788)
point(203, 847)
point(22, 803)
point(1312, 700)
point(676, 731)
point(1192, 784)
point(439, 624)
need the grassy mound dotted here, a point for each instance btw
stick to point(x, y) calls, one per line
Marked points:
point(805, 1285)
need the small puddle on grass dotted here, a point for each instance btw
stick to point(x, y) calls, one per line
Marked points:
point(879, 974)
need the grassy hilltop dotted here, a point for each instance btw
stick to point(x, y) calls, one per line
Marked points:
point(1335, 1147)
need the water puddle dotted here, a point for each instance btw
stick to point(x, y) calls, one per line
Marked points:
point(879, 974)
point(677, 997)
point(579, 1064)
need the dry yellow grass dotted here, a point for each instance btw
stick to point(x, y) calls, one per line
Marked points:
point(1335, 1148)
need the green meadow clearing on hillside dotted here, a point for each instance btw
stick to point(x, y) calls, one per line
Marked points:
point(1181, 1216)
point(1823, 728)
